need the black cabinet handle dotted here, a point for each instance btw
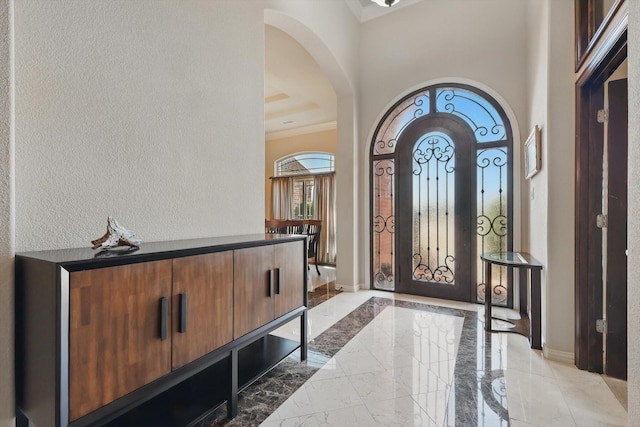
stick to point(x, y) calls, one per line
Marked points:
point(271, 278)
point(183, 313)
point(164, 314)
point(278, 277)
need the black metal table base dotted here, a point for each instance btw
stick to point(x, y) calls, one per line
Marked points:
point(529, 324)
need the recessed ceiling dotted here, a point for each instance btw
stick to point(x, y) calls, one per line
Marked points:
point(298, 97)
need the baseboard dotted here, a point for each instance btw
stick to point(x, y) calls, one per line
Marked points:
point(558, 356)
point(351, 288)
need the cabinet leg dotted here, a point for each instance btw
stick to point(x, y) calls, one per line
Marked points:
point(303, 336)
point(232, 402)
point(21, 419)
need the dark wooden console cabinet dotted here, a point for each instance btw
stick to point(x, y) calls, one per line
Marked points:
point(101, 335)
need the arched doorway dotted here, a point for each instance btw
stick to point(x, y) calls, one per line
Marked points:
point(289, 21)
point(442, 193)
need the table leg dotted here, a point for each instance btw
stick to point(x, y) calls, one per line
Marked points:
point(522, 273)
point(536, 310)
point(487, 296)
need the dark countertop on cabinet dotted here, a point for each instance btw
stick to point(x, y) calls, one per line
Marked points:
point(77, 259)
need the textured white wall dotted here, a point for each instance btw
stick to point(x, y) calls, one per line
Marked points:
point(534, 193)
point(434, 40)
point(6, 220)
point(150, 111)
point(633, 261)
point(560, 160)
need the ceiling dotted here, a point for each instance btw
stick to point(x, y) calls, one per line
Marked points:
point(298, 96)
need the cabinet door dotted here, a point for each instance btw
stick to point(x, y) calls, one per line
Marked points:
point(202, 305)
point(289, 259)
point(253, 300)
point(115, 343)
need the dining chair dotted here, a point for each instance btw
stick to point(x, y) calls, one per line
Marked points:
point(312, 228)
point(294, 226)
point(274, 226)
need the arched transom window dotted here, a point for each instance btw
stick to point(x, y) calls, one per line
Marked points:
point(308, 163)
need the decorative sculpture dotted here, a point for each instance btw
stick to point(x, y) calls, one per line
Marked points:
point(115, 236)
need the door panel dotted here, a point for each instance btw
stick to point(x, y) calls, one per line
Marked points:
point(436, 193)
point(253, 304)
point(289, 288)
point(616, 275)
point(114, 332)
point(205, 283)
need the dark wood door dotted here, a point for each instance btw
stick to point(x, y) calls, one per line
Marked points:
point(616, 275)
point(252, 293)
point(604, 61)
point(115, 343)
point(202, 305)
point(435, 221)
point(289, 262)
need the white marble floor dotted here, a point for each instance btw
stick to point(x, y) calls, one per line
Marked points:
point(398, 370)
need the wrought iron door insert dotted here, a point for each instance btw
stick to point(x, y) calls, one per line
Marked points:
point(441, 183)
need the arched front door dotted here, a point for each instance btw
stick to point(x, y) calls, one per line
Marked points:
point(435, 219)
point(442, 194)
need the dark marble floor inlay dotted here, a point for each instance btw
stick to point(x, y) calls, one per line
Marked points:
point(478, 386)
point(322, 294)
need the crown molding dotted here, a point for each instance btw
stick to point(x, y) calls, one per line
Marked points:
point(302, 130)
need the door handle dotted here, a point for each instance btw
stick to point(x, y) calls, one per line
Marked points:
point(271, 279)
point(278, 277)
point(164, 314)
point(183, 313)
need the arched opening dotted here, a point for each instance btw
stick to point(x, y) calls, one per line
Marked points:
point(346, 236)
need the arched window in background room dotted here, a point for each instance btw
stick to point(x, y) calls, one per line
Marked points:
point(303, 187)
point(301, 169)
point(442, 194)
